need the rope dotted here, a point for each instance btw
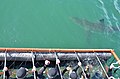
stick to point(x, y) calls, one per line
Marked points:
point(1, 64)
point(12, 66)
point(112, 77)
point(81, 66)
point(59, 67)
point(42, 56)
point(12, 63)
point(26, 61)
point(21, 64)
point(33, 63)
point(101, 65)
point(118, 67)
point(4, 65)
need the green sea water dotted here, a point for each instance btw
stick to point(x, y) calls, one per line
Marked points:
point(48, 24)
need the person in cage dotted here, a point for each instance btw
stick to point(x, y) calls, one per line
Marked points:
point(110, 71)
point(68, 68)
point(7, 75)
point(97, 75)
point(86, 72)
point(21, 73)
point(40, 72)
point(54, 73)
point(72, 72)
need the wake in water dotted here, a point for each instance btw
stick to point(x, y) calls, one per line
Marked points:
point(117, 6)
point(116, 21)
point(106, 14)
point(104, 28)
point(112, 35)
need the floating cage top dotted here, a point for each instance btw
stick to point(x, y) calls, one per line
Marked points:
point(85, 55)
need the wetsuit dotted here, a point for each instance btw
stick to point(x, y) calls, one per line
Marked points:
point(58, 74)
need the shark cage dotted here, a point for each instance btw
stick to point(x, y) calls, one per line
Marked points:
point(93, 61)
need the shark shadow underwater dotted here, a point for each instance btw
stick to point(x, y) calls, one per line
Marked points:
point(97, 28)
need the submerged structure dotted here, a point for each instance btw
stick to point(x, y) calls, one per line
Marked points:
point(25, 54)
point(94, 57)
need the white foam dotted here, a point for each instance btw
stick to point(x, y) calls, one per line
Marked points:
point(106, 14)
point(116, 21)
point(116, 6)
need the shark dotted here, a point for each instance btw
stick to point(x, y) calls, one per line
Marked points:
point(96, 27)
point(99, 28)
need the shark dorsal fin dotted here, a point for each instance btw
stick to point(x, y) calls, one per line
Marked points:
point(101, 21)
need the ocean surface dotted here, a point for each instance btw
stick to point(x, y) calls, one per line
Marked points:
point(50, 24)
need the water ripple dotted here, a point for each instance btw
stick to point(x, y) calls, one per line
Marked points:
point(116, 5)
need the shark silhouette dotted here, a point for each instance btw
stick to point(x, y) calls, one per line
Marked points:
point(109, 32)
point(98, 27)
